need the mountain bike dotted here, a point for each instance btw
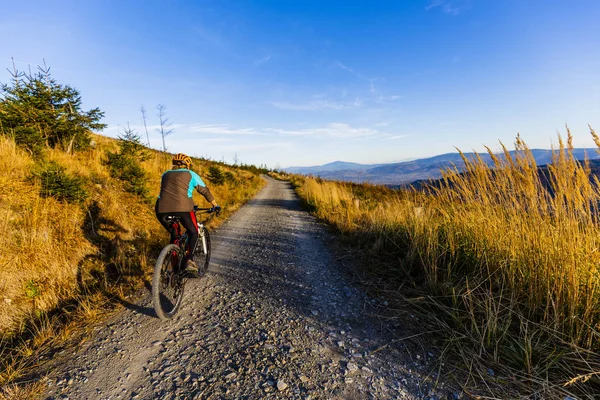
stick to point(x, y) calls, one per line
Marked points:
point(170, 276)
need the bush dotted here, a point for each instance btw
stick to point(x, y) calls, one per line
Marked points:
point(129, 171)
point(125, 165)
point(55, 182)
point(229, 177)
point(215, 175)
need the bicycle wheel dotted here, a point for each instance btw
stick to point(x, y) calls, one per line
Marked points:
point(202, 255)
point(168, 282)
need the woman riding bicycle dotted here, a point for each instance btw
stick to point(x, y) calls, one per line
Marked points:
point(175, 198)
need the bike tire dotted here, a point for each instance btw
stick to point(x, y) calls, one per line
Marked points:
point(168, 283)
point(202, 259)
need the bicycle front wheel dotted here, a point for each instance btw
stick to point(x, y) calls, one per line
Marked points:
point(202, 255)
point(168, 282)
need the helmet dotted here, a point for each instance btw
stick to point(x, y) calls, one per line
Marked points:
point(182, 159)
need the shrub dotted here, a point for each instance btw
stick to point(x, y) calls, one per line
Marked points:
point(229, 177)
point(55, 182)
point(125, 165)
point(215, 175)
point(129, 171)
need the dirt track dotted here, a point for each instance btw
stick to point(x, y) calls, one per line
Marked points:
point(273, 317)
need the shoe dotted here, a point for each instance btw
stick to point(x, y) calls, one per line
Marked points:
point(191, 266)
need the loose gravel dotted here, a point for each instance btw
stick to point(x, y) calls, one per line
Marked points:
point(274, 317)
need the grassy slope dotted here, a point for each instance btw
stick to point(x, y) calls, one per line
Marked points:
point(61, 262)
point(506, 272)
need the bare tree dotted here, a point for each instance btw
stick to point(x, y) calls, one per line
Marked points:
point(143, 111)
point(235, 159)
point(165, 125)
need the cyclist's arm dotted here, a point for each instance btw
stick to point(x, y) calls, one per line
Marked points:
point(201, 188)
point(204, 191)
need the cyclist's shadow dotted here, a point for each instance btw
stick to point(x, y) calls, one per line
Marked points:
point(102, 271)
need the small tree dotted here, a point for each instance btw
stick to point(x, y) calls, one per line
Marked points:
point(215, 175)
point(143, 111)
point(130, 143)
point(47, 109)
point(56, 182)
point(165, 124)
point(125, 165)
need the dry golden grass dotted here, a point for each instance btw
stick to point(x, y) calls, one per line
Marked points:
point(63, 265)
point(508, 258)
point(30, 391)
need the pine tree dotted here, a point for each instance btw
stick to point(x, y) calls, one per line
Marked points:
point(50, 111)
point(125, 165)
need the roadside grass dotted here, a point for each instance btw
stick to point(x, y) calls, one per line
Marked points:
point(502, 261)
point(66, 265)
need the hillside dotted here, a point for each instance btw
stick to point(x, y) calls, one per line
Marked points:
point(67, 259)
point(421, 169)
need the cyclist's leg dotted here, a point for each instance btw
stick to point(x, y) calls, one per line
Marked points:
point(188, 220)
point(162, 218)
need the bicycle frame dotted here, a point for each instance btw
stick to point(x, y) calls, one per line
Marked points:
point(182, 239)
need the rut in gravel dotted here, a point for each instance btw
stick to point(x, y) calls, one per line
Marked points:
point(273, 317)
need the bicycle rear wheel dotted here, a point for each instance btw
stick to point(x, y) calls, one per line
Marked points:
point(168, 282)
point(202, 255)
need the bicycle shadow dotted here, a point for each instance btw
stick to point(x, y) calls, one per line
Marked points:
point(109, 267)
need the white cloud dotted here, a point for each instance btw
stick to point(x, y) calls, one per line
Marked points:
point(333, 130)
point(342, 66)
point(224, 130)
point(115, 130)
point(448, 6)
point(258, 147)
point(317, 104)
point(393, 137)
point(262, 60)
point(386, 99)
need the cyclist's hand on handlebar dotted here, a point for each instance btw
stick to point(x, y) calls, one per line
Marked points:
point(217, 209)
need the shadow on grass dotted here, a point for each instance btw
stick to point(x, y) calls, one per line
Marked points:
point(114, 266)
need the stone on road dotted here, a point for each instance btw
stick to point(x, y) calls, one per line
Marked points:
point(274, 317)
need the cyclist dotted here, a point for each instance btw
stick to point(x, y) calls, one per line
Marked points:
point(175, 198)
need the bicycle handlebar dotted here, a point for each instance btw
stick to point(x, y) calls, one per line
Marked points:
point(207, 210)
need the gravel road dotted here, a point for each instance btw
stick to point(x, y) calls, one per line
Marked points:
point(274, 317)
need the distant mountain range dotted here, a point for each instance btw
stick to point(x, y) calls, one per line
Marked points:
point(410, 171)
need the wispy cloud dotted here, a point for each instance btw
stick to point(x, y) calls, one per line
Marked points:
point(386, 99)
point(333, 130)
point(116, 130)
point(376, 94)
point(318, 104)
point(342, 66)
point(262, 60)
point(256, 147)
point(393, 137)
point(452, 7)
point(354, 72)
point(225, 130)
point(223, 137)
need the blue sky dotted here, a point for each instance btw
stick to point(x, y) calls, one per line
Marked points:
point(287, 83)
